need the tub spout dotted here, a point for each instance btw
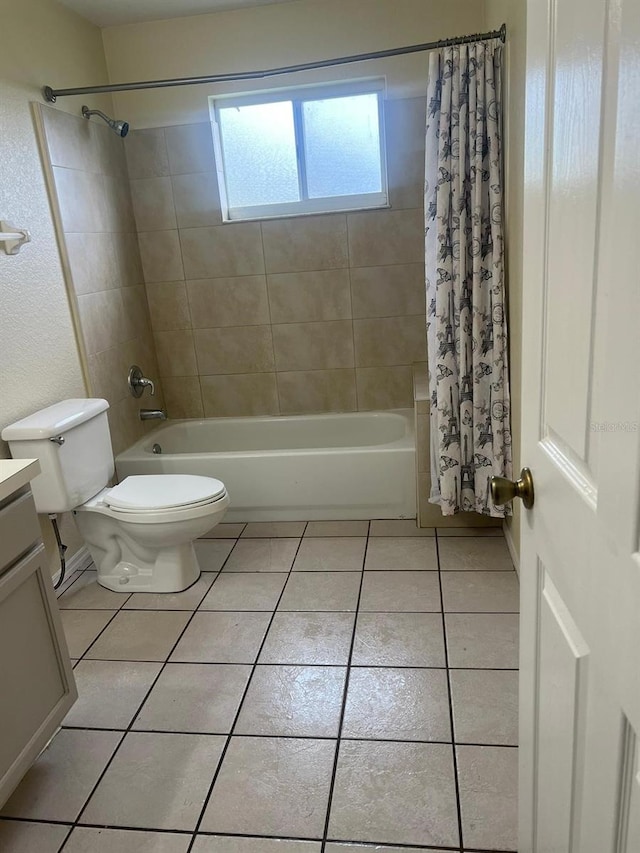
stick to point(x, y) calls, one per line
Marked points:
point(152, 415)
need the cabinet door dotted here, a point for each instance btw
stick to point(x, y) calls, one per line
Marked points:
point(37, 686)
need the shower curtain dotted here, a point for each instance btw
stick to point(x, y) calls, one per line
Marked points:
point(464, 258)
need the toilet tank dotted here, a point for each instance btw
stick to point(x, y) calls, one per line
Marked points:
point(72, 441)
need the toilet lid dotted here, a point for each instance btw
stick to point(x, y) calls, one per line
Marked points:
point(163, 491)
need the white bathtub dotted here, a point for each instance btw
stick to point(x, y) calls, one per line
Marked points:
point(309, 467)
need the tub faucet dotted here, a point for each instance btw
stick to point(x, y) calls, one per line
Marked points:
point(152, 415)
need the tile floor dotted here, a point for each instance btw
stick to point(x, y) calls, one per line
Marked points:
point(331, 687)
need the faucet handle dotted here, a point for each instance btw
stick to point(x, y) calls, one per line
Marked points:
point(137, 382)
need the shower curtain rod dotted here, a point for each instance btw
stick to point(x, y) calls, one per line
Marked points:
point(52, 94)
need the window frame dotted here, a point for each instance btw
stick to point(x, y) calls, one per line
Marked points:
point(297, 96)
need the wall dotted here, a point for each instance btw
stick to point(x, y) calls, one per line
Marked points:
point(87, 173)
point(514, 14)
point(307, 314)
point(41, 43)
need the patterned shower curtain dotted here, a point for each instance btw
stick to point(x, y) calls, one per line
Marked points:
point(464, 256)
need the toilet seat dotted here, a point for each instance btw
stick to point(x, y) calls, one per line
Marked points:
point(155, 493)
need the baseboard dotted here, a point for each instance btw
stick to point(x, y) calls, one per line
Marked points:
point(80, 561)
point(508, 536)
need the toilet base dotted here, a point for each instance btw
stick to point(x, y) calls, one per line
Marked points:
point(173, 570)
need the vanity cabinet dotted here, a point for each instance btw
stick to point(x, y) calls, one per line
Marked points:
point(37, 686)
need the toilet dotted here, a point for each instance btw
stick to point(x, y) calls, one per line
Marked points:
point(139, 533)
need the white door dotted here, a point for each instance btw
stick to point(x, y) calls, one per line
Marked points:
point(580, 566)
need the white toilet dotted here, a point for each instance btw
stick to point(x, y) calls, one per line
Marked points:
point(140, 533)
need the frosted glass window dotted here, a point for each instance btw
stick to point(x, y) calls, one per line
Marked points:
point(259, 147)
point(307, 150)
point(342, 146)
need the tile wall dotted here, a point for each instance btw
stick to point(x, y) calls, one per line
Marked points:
point(308, 314)
point(96, 228)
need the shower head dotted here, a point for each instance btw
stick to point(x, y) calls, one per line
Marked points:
point(119, 127)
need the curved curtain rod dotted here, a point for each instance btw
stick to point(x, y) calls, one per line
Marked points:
point(51, 95)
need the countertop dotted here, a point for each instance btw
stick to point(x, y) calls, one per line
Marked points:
point(16, 473)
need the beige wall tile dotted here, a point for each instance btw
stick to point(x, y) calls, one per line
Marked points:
point(168, 305)
point(127, 254)
point(239, 395)
point(317, 391)
point(93, 261)
point(190, 148)
point(161, 256)
point(384, 387)
point(117, 205)
point(235, 349)
point(111, 156)
point(405, 137)
point(107, 375)
point(183, 398)
point(226, 250)
point(389, 291)
point(81, 200)
point(389, 341)
point(141, 351)
point(197, 199)
point(176, 353)
point(153, 204)
point(378, 237)
point(136, 322)
point(423, 457)
point(71, 141)
point(218, 302)
point(313, 346)
point(146, 152)
point(307, 296)
point(305, 243)
point(102, 319)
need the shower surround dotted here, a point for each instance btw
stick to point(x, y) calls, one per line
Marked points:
point(307, 314)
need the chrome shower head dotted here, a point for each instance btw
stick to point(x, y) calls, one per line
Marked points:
point(119, 127)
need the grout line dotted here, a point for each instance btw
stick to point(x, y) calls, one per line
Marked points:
point(344, 700)
point(449, 693)
point(241, 703)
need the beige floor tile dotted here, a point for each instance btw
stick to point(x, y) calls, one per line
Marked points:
point(469, 531)
point(229, 844)
point(275, 529)
point(125, 797)
point(397, 704)
point(110, 692)
point(475, 554)
point(225, 531)
point(488, 780)
point(298, 701)
point(262, 555)
point(399, 639)
point(228, 637)
point(87, 594)
point(399, 527)
point(480, 592)
point(482, 640)
point(321, 591)
point(58, 784)
point(283, 784)
point(485, 706)
point(212, 553)
point(366, 848)
point(400, 793)
point(140, 635)
point(69, 579)
point(401, 552)
point(245, 591)
point(86, 839)
point(81, 627)
point(337, 528)
point(194, 697)
point(401, 592)
point(309, 638)
point(331, 554)
point(189, 599)
point(18, 836)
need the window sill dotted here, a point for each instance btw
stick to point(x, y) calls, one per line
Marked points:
point(306, 214)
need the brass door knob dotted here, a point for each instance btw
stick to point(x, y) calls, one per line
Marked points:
point(503, 491)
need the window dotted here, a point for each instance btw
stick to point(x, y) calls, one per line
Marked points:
point(301, 151)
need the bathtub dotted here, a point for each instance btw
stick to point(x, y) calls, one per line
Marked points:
point(300, 468)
